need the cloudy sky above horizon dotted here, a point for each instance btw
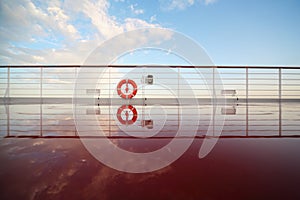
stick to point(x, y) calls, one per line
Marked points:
point(257, 32)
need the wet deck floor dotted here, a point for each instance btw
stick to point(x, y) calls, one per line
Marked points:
point(256, 157)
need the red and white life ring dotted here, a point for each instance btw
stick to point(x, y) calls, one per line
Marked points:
point(125, 111)
point(127, 95)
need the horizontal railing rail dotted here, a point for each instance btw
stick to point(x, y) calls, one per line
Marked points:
point(158, 66)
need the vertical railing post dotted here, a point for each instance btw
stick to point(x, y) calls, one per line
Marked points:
point(41, 101)
point(109, 101)
point(247, 96)
point(41, 83)
point(178, 97)
point(279, 100)
point(7, 102)
point(8, 119)
point(214, 101)
point(75, 96)
point(8, 83)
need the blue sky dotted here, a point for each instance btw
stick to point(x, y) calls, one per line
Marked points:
point(249, 32)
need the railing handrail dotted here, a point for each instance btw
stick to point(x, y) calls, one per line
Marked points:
point(156, 66)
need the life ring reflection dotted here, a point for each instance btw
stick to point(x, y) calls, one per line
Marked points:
point(129, 91)
point(127, 114)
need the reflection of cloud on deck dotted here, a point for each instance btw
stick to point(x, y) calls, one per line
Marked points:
point(59, 168)
point(38, 143)
point(106, 178)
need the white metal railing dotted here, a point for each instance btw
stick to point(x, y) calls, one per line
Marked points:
point(58, 81)
point(244, 120)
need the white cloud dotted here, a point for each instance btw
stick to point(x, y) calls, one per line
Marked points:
point(135, 10)
point(176, 4)
point(152, 18)
point(60, 21)
point(168, 5)
point(134, 23)
point(209, 1)
point(129, 42)
point(52, 32)
point(97, 12)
